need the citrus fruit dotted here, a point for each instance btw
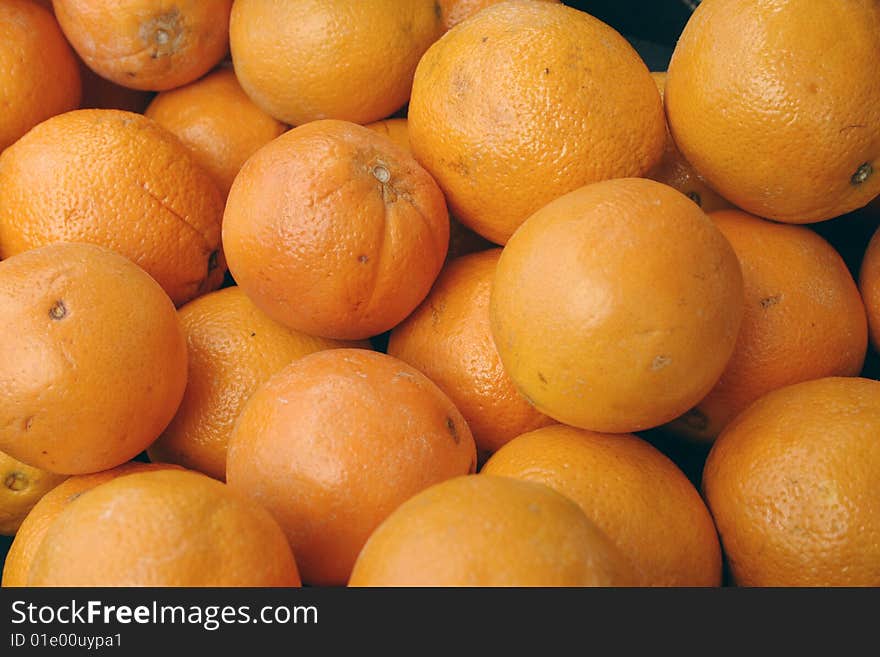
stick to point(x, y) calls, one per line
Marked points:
point(792, 485)
point(22, 487)
point(333, 230)
point(93, 362)
point(455, 11)
point(334, 442)
point(526, 101)
point(635, 495)
point(489, 531)
point(616, 307)
point(778, 122)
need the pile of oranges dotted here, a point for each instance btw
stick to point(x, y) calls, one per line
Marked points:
point(417, 292)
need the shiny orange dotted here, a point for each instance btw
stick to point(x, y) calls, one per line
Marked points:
point(792, 485)
point(119, 180)
point(616, 307)
point(333, 230)
point(638, 497)
point(489, 531)
point(448, 338)
point(514, 108)
point(144, 44)
point(233, 348)
point(93, 362)
point(21, 487)
point(337, 440)
point(39, 77)
point(778, 122)
point(217, 121)
point(803, 319)
point(163, 528)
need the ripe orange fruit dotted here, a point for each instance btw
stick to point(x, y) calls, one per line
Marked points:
point(118, 180)
point(334, 442)
point(35, 525)
point(233, 348)
point(635, 495)
point(23, 486)
point(448, 339)
point(303, 60)
point(462, 240)
point(803, 319)
point(93, 362)
point(506, 122)
point(792, 485)
point(869, 284)
point(144, 44)
point(217, 121)
point(675, 171)
point(39, 77)
point(779, 123)
point(333, 230)
point(489, 531)
point(455, 11)
point(163, 528)
point(616, 307)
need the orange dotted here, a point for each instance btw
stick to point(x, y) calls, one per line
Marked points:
point(616, 307)
point(118, 180)
point(526, 101)
point(455, 11)
point(489, 531)
point(334, 442)
point(93, 362)
point(778, 122)
point(145, 44)
point(638, 497)
point(303, 60)
point(217, 121)
point(462, 240)
point(333, 230)
point(869, 284)
point(39, 77)
point(36, 523)
point(675, 171)
point(233, 348)
point(803, 319)
point(23, 486)
point(448, 338)
point(163, 528)
point(792, 485)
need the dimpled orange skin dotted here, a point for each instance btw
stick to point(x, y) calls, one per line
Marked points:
point(675, 171)
point(638, 497)
point(147, 44)
point(489, 531)
point(780, 124)
point(333, 443)
point(792, 485)
point(93, 362)
point(119, 180)
point(39, 76)
point(34, 527)
point(217, 121)
point(616, 307)
point(448, 338)
point(524, 102)
point(462, 240)
point(803, 319)
point(333, 230)
point(455, 11)
point(303, 60)
point(21, 487)
point(233, 347)
point(163, 528)
point(869, 285)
